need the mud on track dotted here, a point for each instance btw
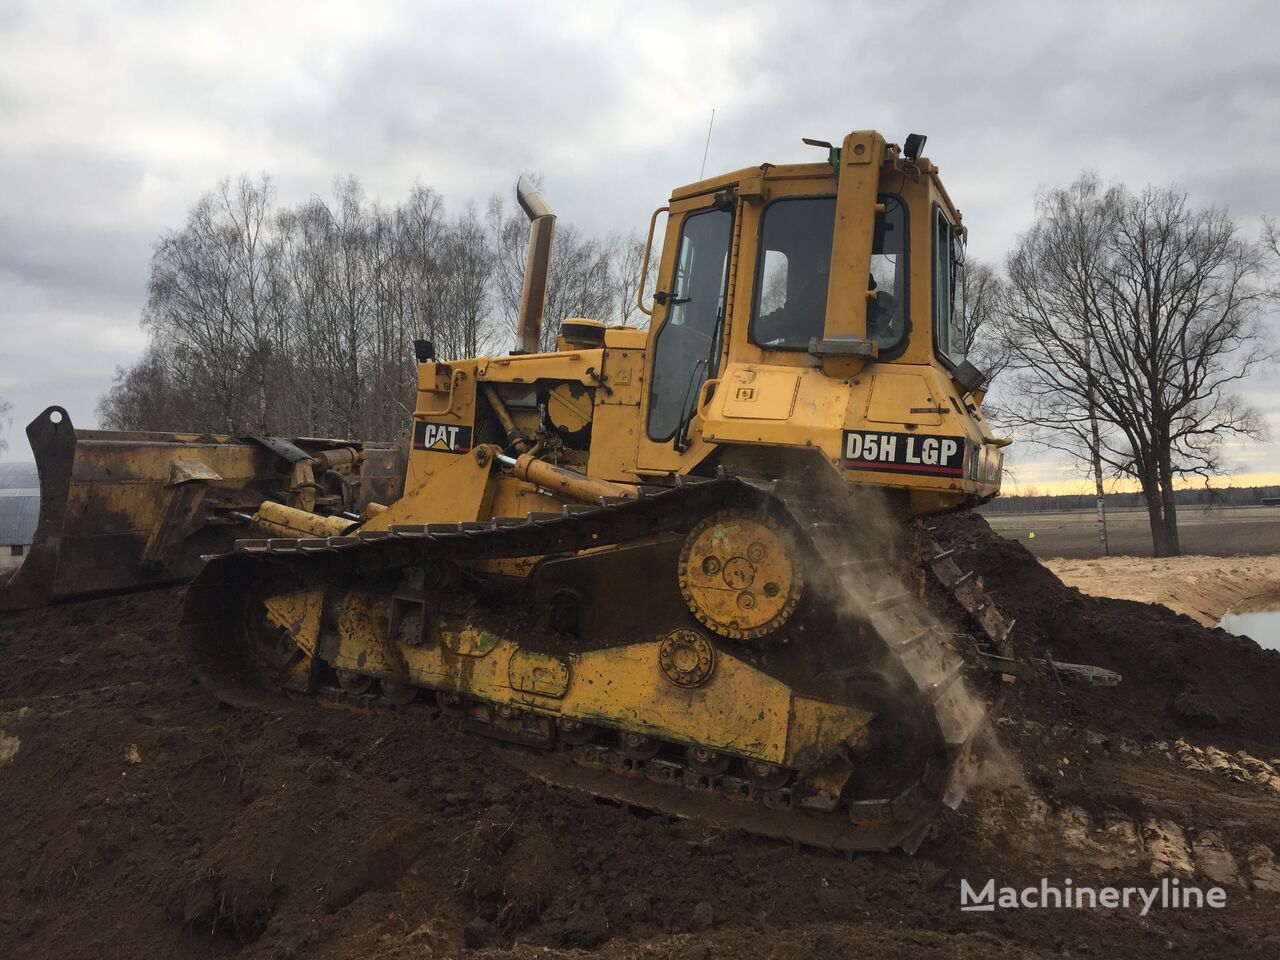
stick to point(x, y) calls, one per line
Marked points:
point(141, 819)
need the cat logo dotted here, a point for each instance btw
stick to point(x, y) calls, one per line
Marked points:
point(441, 437)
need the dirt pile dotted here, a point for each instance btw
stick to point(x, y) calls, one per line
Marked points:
point(143, 819)
point(1179, 676)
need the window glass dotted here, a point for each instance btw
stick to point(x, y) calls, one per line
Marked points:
point(959, 329)
point(794, 267)
point(948, 290)
point(886, 314)
point(688, 345)
point(942, 283)
point(773, 282)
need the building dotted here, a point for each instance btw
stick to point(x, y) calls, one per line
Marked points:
point(19, 512)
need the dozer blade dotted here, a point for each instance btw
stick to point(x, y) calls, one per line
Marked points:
point(122, 511)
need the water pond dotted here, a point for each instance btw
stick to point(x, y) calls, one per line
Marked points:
point(1258, 617)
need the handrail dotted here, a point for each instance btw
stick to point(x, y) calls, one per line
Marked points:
point(644, 264)
point(700, 407)
point(448, 406)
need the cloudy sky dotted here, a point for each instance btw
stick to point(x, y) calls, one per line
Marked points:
point(116, 116)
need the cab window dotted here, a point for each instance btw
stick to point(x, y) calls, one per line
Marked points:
point(950, 336)
point(887, 311)
point(688, 345)
point(792, 272)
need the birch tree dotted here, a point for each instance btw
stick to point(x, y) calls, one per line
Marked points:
point(5, 423)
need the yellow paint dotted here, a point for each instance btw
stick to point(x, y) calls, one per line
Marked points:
point(903, 398)
point(441, 488)
point(277, 520)
point(299, 612)
point(762, 397)
point(738, 709)
point(861, 158)
point(760, 393)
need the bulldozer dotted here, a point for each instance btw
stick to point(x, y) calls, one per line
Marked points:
point(686, 567)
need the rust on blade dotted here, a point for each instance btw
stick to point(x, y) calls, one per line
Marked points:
point(124, 510)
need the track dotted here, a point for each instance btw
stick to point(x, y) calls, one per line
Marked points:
point(883, 648)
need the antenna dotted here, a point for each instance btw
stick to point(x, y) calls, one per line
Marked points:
point(708, 146)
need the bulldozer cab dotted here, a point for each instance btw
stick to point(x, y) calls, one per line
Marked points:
point(772, 275)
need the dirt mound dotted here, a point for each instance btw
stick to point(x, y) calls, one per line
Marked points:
point(144, 819)
point(1181, 679)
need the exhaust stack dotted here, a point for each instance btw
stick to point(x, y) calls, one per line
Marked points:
point(533, 295)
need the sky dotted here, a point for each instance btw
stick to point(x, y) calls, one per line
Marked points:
point(115, 117)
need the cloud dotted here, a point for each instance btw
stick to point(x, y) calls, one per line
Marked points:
point(117, 116)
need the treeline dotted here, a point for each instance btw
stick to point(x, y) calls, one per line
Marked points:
point(300, 320)
point(1206, 497)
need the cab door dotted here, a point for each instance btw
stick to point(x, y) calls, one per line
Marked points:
point(689, 322)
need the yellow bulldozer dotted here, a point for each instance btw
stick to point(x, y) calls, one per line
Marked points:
point(680, 566)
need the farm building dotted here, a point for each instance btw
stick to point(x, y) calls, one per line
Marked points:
point(19, 511)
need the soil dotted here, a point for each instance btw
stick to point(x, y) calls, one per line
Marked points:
point(143, 819)
point(1203, 588)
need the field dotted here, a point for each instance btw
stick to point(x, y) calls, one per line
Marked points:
point(142, 819)
point(1217, 533)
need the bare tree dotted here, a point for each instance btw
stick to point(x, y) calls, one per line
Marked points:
point(422, 229)
point(302, 319)
point(509, 238)
point(468, 264)
point(208, 303)
point(144, 396)
point(627, 258)
point(984, 289)
point(1128, 319)
point(5, 422)
point(579, 283)
point(1047, 314)
point(1271, 249)
point(583, 279)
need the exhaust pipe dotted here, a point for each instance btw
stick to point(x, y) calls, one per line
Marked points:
point(533, 295)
